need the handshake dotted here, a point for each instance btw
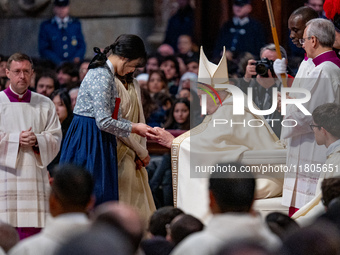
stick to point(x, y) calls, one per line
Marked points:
point(161, 136)
point(157, 134)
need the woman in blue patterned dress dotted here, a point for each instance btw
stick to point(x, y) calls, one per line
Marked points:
point(91, 137)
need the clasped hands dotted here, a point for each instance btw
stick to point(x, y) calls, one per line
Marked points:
point(27, 138)
point(157, 134)
point(142, 162)
point(161, 136)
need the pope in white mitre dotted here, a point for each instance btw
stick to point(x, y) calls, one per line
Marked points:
point(201, 148)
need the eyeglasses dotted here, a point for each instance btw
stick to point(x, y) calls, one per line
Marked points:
point(313, 126)
point(302, 41)
point(18, 72)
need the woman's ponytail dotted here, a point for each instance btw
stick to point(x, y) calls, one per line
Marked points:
point(100, 58)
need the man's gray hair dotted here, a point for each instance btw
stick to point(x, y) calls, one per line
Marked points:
point(271, 47)
point(322, 29)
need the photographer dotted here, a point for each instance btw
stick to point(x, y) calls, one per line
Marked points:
point(262, 76)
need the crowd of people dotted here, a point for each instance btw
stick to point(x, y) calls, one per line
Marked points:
point(74, 227)
point(74, 134)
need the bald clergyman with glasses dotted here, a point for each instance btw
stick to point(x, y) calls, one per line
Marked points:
point(323, 82)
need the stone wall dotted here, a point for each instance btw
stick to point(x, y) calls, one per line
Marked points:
point(102, 21)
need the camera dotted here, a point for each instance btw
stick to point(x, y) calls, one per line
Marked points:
point(262, 67)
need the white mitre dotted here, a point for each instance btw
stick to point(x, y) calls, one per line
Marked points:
point(212, 74)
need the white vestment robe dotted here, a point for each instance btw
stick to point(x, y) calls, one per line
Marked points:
point(57, 232)
point(303, 152)
point(309, 212)
point(24, 184)
point(206, 145)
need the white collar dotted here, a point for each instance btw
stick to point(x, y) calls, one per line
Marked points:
point(62, 23)
point(241, 22)
point(59, 20)
point(332, 147)
point(108, 62)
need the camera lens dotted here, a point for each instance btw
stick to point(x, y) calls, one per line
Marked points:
point(261, 69)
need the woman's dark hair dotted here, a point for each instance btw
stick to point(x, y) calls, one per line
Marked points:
point(163, 79)
point(175, 61)
point(126, 79)
point(171, 122)
point(126, 45)
point(65, 98)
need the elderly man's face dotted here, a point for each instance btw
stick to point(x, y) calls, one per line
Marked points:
point(307, 46)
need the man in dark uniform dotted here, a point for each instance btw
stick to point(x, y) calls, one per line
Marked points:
point(241, 33)
point(60, 38)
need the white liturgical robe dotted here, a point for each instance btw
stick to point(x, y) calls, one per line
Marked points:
point(24, 184)
point(304, 154)
point(57, 232)
point(309, 212)
point(207, 145)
